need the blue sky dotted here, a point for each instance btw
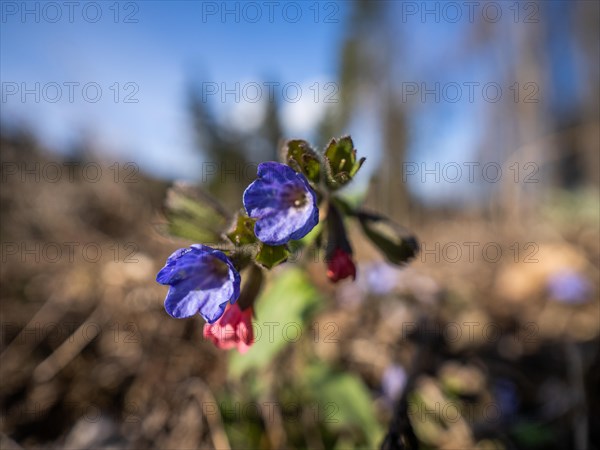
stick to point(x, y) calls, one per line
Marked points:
point(151, 51)
point(171, 45)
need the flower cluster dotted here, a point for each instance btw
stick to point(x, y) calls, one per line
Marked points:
point(280, 206)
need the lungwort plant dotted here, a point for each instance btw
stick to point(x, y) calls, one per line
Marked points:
point(289, 206)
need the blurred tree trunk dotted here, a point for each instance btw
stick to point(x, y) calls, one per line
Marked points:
point(587, 18)
point(367, 87)
point(388, 191)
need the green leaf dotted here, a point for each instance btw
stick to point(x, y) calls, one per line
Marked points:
point(340, 162)
point(344, 402)
point(193, 214)
point(284, 305)
point(302, 158)
point(393, 240)
point(245, 433)
point(531, 434)
point(270, 256)
point(242, 233)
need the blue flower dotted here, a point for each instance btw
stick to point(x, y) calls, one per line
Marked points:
point(381, 278)
point(393, 382)
point(203, 280)
point(507, 398)
point(283, 202)
point(569, 287)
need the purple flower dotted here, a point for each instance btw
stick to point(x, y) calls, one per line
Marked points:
point(283, 202)
point(507, 398)
point(203, 280)
point(381, 278)
point(393, 381)
point(569, 287)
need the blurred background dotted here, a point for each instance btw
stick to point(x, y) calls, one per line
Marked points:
point(480, 124)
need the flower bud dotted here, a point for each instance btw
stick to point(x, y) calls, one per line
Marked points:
point(233, 329)
point(340, 266)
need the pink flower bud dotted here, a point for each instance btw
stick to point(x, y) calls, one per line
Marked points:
point(233, 329)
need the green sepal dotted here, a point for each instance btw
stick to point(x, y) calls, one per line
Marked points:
point(340, 162)
point(299, 155)
point(394, 241)
point(242, 230)
point(270, 256)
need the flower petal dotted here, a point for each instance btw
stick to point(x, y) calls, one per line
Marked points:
point(183, 301)
point(184, 262)
point(265, 199)
point(197, 283)
point(279, 227)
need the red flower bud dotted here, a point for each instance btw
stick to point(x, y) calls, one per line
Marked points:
point(233, 329)
point(340, 266)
